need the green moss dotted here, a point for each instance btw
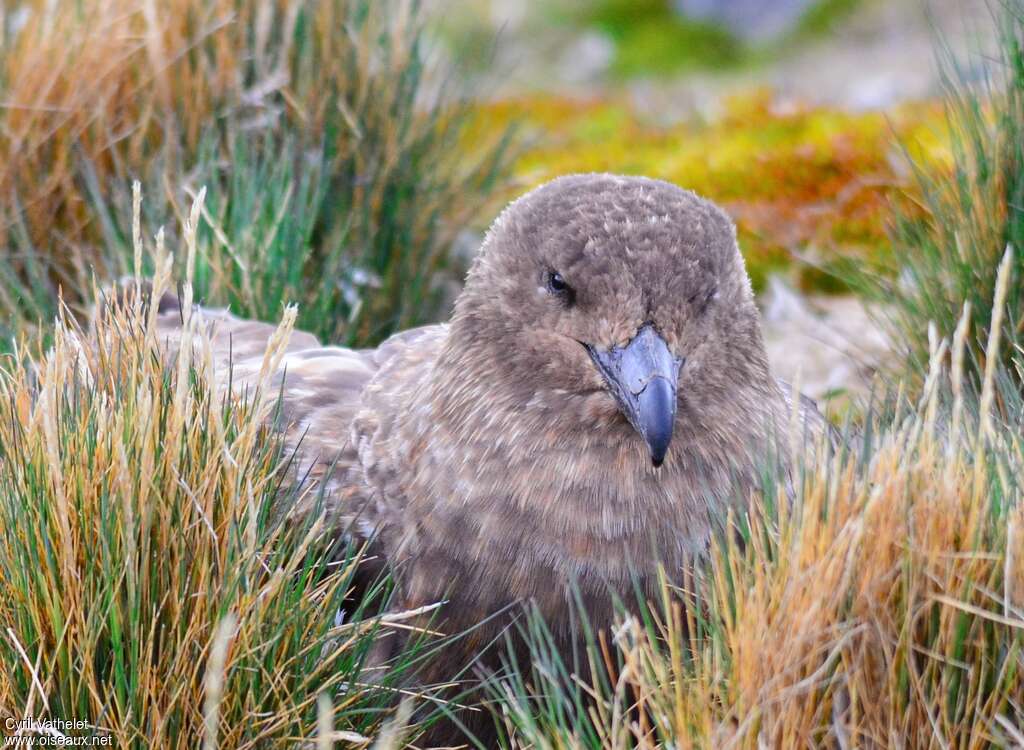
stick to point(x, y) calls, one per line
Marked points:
point(614, 16)
point(656, 47)
point(605, 124)
point(651, 38)
point(822, 17)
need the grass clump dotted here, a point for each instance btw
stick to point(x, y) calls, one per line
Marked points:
point(332, 144)
point(947, 242)
point(145, 586)
point(883, 607)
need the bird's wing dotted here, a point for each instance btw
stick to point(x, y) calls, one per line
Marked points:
point(321, 389)
point(384, 428)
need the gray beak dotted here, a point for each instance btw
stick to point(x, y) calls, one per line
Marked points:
point(643, 375)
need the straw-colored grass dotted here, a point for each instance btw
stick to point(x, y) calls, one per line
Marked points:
point(883, 608)
point(145, 586)
point(326, 134)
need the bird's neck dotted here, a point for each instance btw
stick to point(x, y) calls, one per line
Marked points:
point(571, 461)
point(545, 490)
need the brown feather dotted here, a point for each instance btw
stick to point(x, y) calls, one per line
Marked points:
point(490, 455)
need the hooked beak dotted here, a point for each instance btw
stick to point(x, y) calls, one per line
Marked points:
point(643, 375)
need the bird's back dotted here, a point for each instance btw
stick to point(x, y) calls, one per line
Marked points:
point(323, 392)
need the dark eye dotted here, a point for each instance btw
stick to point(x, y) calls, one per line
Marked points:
point(558, 286)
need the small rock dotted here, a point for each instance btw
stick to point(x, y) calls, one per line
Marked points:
point(587, 58)
point(755, 20)
point(827, 344)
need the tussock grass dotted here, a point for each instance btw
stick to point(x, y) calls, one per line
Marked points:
point(947, 244)
point(325, 130)
point(145, 585)
point(883, 608)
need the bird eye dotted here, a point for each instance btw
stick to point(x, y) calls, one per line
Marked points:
point(557, 284)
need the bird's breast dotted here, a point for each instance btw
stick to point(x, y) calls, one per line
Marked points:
point(526, 500)
point(514, 525)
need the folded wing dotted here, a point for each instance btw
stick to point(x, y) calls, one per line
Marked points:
point(337, 406)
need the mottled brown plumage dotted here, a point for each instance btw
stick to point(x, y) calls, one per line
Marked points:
point(494, 456)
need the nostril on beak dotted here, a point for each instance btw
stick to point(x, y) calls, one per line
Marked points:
point(643, 377)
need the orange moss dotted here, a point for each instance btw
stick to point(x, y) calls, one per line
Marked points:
point(799, 180)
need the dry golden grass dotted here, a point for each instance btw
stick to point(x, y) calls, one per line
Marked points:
point(113, 79)
point(884, 608)
point(331, 139)
point(144, 584)
point(145, 588)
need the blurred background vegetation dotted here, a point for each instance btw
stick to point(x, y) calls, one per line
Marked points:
point(331, 155)
point(354, 153)
point(810, 121)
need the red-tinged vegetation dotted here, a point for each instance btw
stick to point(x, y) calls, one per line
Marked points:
point(801, 181)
